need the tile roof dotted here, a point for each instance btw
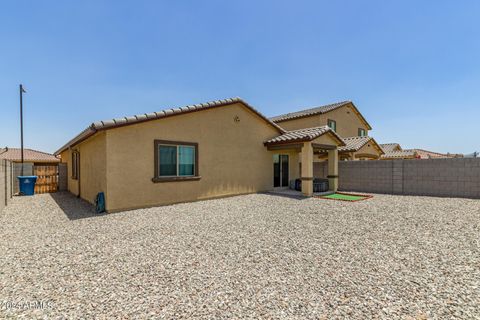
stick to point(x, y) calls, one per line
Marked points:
point(301, 135)
point(390, 147)
point(104, 125)
point(354, 143)
point(29, 155)
point(309, 112)
point(319, 110)
point(390, 152)
point(400, 154)
point(425, 154)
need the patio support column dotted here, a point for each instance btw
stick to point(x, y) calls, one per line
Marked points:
point(333, 169)
point(307, 169)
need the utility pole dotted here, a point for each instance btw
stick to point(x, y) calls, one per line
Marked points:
point(21, 123)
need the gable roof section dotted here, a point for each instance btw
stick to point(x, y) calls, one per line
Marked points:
point(303, 135)
point(400, 154)
point(356, 143)
point(29, 155)
point(390, 147)
point(118, 122)
point(319, 110)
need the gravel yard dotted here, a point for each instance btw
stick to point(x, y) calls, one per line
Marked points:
point(254, 256)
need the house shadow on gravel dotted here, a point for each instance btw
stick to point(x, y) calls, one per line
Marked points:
point(73, 207)
point(286, 194)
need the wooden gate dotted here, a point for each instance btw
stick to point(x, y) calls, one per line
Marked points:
point(47, 178)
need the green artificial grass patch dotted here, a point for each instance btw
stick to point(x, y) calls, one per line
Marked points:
point(346, 197)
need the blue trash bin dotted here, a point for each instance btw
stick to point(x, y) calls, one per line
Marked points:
point(27, 185)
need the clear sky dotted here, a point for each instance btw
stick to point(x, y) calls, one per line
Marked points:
point(411, 67)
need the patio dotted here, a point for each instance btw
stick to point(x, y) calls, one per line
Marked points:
point(253, 256)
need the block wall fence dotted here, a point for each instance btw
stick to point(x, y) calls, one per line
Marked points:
point(458, 177)
point(5, 183)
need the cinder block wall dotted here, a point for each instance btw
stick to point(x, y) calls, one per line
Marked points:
point(5, 183)
point(459, 177)
point(371, 176)
point(442, 177)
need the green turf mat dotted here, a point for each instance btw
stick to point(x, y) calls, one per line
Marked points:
point(347, 197)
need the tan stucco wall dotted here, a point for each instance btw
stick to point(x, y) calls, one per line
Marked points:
point(348, 122)
point(294, 165)
point(72, 185)
point(93, 167)
point(232, 158)
point(300, 123)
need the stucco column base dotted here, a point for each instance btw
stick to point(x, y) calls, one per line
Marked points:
point(307, 169)
point(333, 169)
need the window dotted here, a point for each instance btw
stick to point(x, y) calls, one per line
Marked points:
point(75, 164)
point(175, 161)
point(332, 124)
point(362, 132)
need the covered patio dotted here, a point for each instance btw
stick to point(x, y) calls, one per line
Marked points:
point(303, 144)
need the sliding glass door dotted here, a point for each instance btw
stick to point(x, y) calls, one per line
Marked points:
point(280, 170)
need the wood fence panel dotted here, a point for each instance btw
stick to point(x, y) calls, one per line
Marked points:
point(47, 179)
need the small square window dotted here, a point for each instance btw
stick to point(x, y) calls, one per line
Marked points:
point(362, 132)
point(332, 124)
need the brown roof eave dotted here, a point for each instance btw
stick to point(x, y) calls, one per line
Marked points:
point(317, 113)
point(277, 143)
point(85, 134)
point(125, 121)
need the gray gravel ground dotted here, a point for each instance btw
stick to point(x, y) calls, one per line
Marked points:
point(254, 256)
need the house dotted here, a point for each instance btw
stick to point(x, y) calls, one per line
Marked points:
point(215, 149)
point(395, 151)
point(425, 154)
point(344, 119)
point(360, 148)
point(30, 156)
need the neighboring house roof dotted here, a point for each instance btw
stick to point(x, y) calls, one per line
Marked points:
point(390, 147)
point(118, 122)
point(400, 154)
point(318, 110)
point(29, 155)
point(303, 135)
point(425, 154)
point(356, 143)
point(394, 150)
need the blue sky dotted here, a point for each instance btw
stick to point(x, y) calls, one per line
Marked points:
point(411, 67)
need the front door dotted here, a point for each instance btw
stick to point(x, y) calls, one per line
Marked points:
point(280, 170)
